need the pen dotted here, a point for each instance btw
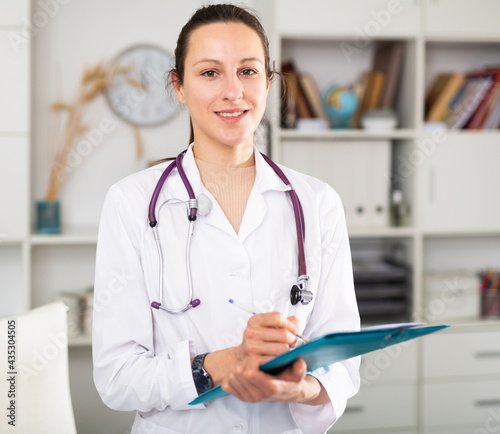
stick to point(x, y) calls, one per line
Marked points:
point(244, 308)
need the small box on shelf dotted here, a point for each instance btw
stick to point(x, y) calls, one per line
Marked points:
point(451, 296)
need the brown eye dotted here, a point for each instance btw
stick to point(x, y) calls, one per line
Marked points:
point(249, 71)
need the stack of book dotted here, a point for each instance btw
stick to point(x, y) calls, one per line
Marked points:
point(465, 100)
point(376, 88)
point(301, 99)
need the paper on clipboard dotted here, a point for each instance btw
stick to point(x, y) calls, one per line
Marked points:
point(336, 347)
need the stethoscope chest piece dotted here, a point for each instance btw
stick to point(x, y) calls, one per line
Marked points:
point(300, 293)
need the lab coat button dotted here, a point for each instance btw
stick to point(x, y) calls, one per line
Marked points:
point(242, 426)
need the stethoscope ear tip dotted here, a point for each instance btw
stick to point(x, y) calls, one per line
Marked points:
point(195, 302)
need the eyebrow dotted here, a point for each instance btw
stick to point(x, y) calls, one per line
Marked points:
point(218, 62)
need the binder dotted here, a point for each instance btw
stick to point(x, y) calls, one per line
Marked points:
point(336, 347)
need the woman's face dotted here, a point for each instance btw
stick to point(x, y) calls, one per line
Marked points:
point(224, 84)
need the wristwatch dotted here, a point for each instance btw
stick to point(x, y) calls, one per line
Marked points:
point(202, 379)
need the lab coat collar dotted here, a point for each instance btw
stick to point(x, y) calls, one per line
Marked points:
point(266, 179)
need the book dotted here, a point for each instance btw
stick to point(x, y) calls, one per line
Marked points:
point(467, 101)
point(389, 60)
point(478, 117)
point(295, 103)
point(375, 92)
point(492, 120)
point(441, 95)
point(312, 95)
point(435, 89)
point(371, 86)
point(334, 348)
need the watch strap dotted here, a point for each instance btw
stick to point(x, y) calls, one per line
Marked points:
point(202, 379)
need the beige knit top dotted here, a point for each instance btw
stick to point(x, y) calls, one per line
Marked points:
point(230, 186)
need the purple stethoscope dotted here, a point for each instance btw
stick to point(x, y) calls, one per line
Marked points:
point(298, 293)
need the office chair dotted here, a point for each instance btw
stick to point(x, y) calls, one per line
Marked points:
point(34, 357)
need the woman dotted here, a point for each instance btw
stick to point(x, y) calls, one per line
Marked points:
point(244, 248)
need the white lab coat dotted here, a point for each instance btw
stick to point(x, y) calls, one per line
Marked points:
point(142, 356)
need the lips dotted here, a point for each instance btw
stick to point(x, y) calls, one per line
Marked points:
point(231, 116)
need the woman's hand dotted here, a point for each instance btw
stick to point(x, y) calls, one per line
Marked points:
point(268, 335)
point(248, 383)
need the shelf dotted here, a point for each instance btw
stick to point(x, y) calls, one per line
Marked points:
point(11, 241)
point(80, 341)
point(72, 236)
point(341, 37)
point(461, 234)
point(475, 134)
point(389, 232)
point(460, 38)
point(485, 324)
point(339, 134)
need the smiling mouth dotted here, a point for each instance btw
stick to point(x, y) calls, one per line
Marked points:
point(231, 115)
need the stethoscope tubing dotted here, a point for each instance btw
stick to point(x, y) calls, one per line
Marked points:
point(298, 212)
point(301, 292)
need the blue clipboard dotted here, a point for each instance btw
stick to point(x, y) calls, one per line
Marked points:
point(333, 348)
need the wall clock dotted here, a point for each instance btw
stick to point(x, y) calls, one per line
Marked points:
point(138, 95)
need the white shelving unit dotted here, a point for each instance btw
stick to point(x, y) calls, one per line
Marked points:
point(449, 179)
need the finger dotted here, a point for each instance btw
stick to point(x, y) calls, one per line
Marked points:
point(273, 319)
point(240, 381)
point(295, 373)
point(293, 319)
point(233, 386)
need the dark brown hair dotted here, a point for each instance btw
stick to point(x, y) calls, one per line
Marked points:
point(219, 13)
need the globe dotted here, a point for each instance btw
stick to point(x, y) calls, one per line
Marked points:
point(340, 104)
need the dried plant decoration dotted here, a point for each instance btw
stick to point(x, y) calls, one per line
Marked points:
point(94, 82)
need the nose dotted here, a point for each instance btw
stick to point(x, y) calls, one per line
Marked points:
point(233, 88)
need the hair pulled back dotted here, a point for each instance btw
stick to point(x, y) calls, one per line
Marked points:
point(211, 14)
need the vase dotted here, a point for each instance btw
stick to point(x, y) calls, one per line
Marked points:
point(48, 219)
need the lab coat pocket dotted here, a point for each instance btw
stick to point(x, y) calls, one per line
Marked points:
point(143, 426)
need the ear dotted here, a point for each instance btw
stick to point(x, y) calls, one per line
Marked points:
point(179, 90)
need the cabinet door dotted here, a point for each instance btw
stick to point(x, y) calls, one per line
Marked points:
point(378, 407)
point(460, 403)
point(478, 353)
point(12, 12)
point(363, 20)
point(478, 17)
point(357, 170)
point(397, 363)
point(14, 84)
point(14, 186)
point(460, 183)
